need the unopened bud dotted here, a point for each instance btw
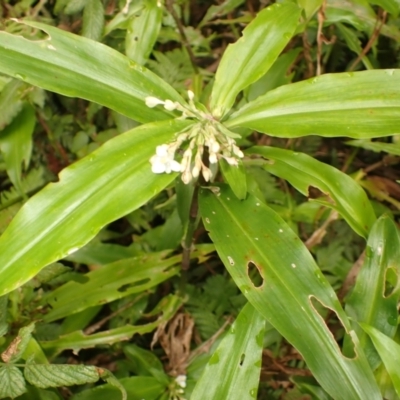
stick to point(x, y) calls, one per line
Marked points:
point(152, 101)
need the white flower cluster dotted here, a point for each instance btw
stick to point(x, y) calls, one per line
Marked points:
point(208, 133)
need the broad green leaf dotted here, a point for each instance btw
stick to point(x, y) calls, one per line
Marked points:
point(252, 55)
point(12, 382)
point(74, 6)
point(310, 6)
point(93, 19)
point(377, 147)
point(236, 361)
point(278, 275)
point(372, 301)
point(388, 350)
point(100, 188)
point(355, 104)
point(143, 31)
point(111, 282)
point(137, 387)
point(53, 375)
point(17, 347)
point(16, 144)
point(391, 6)
point(235, 176)
point(303, 172)
point(220, 10)
point(77, 340)
point(79, 67)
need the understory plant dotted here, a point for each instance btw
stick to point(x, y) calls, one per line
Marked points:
point(195, 144)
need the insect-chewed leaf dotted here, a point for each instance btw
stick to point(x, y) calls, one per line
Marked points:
point(45, 376)
point(18, 345)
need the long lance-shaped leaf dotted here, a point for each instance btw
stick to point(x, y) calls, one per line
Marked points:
point(237, 359)
point(371, 301)
point(102, 187)
point(251, 239)
point(359, 105)
point(303, 171)
point(252, 55)
point(388, 350)
point(79, 67)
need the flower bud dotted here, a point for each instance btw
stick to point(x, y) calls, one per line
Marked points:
point(152, 101)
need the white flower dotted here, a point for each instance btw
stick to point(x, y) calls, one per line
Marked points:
point(152, 101)
point(163, 161)
point(190, 95)
point(213, 158)
point(181, 380)
point(170, 105)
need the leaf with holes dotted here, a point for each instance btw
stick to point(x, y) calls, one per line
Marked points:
point(79, 67)
point(98, 189)
point(359, 105)
point(237, 359)
point(303, 171)
point(278, 275)
point(376, 294)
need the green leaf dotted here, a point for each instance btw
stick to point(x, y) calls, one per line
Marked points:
point(137, 387)
point(252, 55)
point(100, 188)
point(108, 377)
point(79, 67)
point(93, 19)
point(11, 101)
point(53, 375)
point(372, 301)
point(237, 359)
point(77, 340)
point(16, 144)
point(377, 147)
point(388, 350)
point(278, 275)
point(235, 176)
point(360, 105)
point(391, 6)
point(143, 31)
point(3, 315)
point(303, 171)
point(17, 347)
point(111, 282)
point(12, 382)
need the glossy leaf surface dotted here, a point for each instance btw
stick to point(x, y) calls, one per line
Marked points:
point(277, 274)
point(358, 105)
point(371, 301)
point(79, 67)
point(303, 172)
point(100, 188)
point(237, 359)
point(247, 60)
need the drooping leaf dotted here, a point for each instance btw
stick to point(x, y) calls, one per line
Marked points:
point(107, 376)
point(252, 55)
point(355, 104)
point(111, 282)
point(376, 294)
point(17, 347)
point(237, 359)
point(77, 340)
point(388, 350)
point(79, 67)
point(12, 382)
point(303, 171)
point(16, 144)
point(143, 31)
point(100, 188)
point(53, 375)
point(279, 277)
point(391, 148)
